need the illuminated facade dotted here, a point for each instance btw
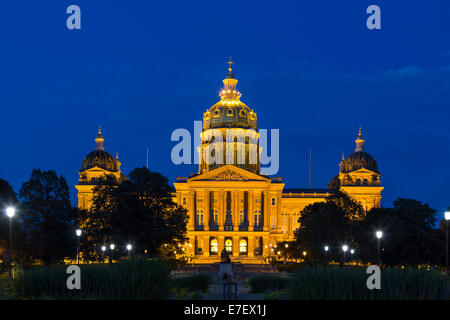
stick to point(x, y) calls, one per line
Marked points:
point(230, 204)
point(234, 207)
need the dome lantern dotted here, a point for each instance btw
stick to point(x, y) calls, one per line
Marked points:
point(99, 139)
point(359, 142)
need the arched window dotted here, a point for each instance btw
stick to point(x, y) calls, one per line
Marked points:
point(243, 246)
point(365, 182)
point(214, 246)
point(229, 245)
point(358, 181)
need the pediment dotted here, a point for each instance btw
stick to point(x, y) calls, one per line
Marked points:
point(229, 173)
point(364, 171)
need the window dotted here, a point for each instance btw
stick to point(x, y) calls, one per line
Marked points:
point(214, 246)
point(243, 246)
point(365, 182)
point(273, 201)
point(199, 200)
point(184, 200)
point(258, 200)
point(358, 181)
point(258, 221)
point(200, 217)
point(228, 245)
point(241, 217)
point(216, 217)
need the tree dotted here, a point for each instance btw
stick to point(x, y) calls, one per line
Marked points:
point(327, 223)
point(409, 236)
point(139, 211)
point(48, 219)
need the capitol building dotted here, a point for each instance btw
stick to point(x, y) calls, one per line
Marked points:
point(230, 204)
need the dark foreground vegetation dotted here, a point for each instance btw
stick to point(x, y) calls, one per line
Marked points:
point(333, 283)
point(137, 278)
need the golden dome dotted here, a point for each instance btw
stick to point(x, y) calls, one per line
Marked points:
point(230, 111)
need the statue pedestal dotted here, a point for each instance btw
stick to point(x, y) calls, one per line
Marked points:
point(225, 268)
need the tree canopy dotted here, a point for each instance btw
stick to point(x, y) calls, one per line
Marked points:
point(139, 211)
point(47, 218)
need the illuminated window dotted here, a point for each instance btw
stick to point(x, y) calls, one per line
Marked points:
point(365, 182)
point(241, 217)
point(214, 246)
point(228, 245)
point(243, 246)
point(358, 181)
point(184, 200)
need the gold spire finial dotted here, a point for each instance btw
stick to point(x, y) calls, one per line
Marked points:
point(360, 134)
point(343, 156)
point(229, 65)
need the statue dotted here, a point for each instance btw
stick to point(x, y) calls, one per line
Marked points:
point(225, 257)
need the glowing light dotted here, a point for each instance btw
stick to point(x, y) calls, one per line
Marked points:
point(326, 248)
point(379, 234)
point(447, 215)
point(129, 247)
point(112, 246)
point(78, 232)
point(103, 248)
point(344, 248)
point(10, 212)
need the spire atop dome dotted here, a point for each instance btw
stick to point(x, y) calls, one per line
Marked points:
point(359, 142)
point(99, 139)
point(229, 91)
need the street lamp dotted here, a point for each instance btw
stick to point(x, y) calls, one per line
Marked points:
point(111, 246)
point(447, 218)
point(10, 212)
point(326, 248)
point(78, 233)
point(352, 251)
point(379, 234)
point(129, 247)
point(103, 253)
point(344, 248)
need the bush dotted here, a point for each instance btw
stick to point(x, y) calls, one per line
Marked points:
point(323, 283)
point(137, 278)
point(289, 267)
point(199, 282)
point(264, 283)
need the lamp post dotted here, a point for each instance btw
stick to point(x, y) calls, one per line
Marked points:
point(129, 247)
point(344, 248)
point(447, 218)
point(352, 251)
point(10, 212)
point(379, 234)
point(326, 252)
point(103, 253)
point(111, 256)
point(78, 233)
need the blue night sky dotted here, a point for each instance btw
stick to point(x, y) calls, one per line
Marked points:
point(309, 68)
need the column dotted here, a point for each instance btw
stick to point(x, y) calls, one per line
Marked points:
point(207, 210)
point(251, 247)
point(221, 240)
point(236, 246)
point(266, 211)
point(191, 211)
point(251, 209)
point(278, 207)
point(235, 206)
point(222, 209)
point(206, 246)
